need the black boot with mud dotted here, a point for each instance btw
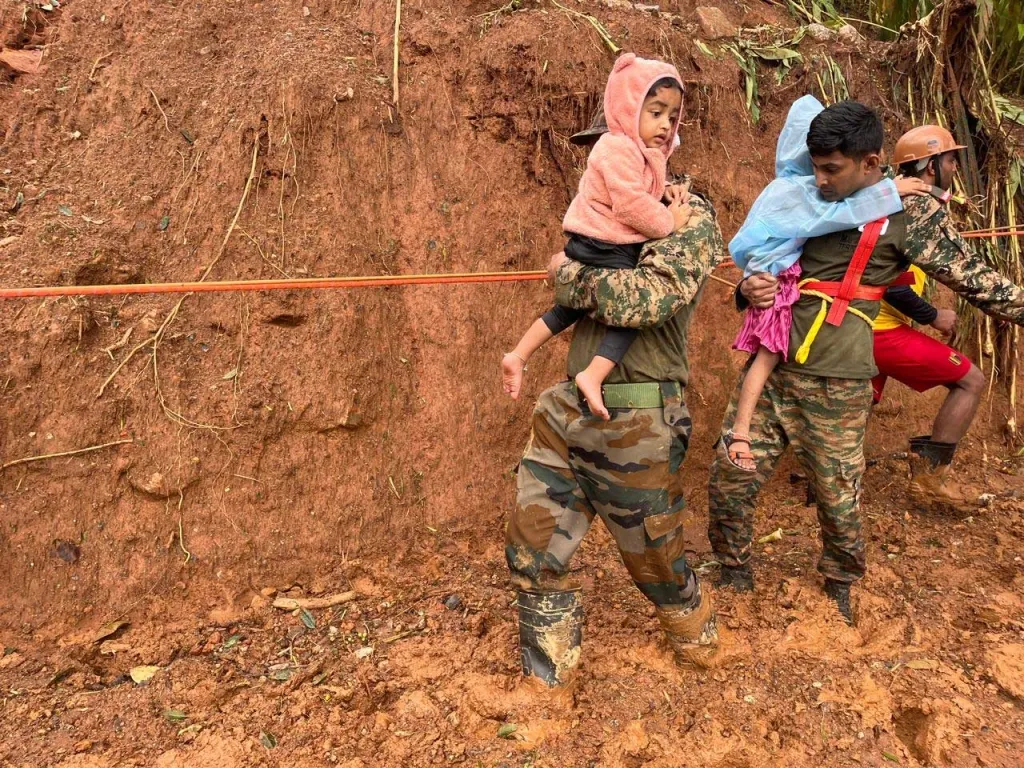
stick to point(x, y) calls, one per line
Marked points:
point(839, 593)
point(740, 578)
point(550, 635)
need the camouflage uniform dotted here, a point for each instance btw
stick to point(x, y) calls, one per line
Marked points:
point(625, 470)
point(824, 417)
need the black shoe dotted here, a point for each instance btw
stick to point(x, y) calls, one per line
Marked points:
point(740, 578)
point(839, 592)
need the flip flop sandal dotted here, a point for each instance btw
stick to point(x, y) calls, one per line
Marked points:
point(735, 455)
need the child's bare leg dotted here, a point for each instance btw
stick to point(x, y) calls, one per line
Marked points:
point(514, 363)
point(750, 392)
point(589, 381)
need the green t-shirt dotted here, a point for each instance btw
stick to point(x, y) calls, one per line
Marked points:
point(845, 351)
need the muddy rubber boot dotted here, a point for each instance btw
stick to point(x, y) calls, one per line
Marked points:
point(839, 593)
point(550, 635)
point(930, 484)
point(692, 634)
point(740, 578)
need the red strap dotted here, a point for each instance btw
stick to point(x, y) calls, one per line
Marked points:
point(905, 278)
point(862, 292)
point(851, 280)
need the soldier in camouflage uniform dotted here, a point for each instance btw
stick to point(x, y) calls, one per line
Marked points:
point(820, 407)
point(626, 470)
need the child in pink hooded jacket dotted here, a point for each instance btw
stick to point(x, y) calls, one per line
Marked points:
point(618, 207)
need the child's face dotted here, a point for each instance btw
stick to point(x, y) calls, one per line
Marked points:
point(658, 117)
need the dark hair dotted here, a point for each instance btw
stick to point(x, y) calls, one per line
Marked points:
point(848, 127)
point(665, 82)
point(911, 169)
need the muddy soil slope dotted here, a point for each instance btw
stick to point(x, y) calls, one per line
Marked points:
point(280, 445)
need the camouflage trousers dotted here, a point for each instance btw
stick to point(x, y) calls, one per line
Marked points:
point(626, 471)
point(824, 420)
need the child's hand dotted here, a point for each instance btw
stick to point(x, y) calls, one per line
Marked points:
point(910, 185)
point(512, 367)
point(681, 213)
point(680, 192)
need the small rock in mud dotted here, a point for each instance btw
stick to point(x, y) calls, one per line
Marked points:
point(714, 24)
point(1007, 668)
point(67, 551)
point(453, 602)
point(848, 34)
point(821, 33)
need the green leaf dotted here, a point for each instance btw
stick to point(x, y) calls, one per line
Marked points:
point(231, 642)
point(891, 757)
point(776, 53)
point(174, 715)
point(268, 740)
point(64, 210)
point(307, 619)
point(506, 731)
point(165, 222)
point(1020, 31)
point(704, 49)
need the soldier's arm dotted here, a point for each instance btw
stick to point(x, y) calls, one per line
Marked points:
point(666, 279)
point(934, 244)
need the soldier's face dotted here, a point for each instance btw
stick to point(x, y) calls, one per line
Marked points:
point(948, 165)
point(838, 176)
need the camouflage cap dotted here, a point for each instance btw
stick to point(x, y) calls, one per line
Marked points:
point(598, 127)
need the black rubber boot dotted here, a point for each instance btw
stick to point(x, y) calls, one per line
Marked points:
point(739, 577)
point(550, 635)
point(839, 592)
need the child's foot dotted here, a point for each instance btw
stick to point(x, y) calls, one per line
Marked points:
point(738, 457)
point(590, 387)
point(512, 367)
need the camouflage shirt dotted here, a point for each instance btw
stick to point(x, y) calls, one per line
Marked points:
point(657, 298)
point(935, 245)
point(923, 235)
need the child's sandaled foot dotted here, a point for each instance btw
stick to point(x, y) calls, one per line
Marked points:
point(590, 388)
point(512, 367)
point(739, 458)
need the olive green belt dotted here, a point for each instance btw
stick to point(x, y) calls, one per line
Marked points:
point(646, 395)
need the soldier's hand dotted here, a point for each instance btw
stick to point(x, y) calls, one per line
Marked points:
point(556, 261)
point(945, 321)
point(760, 289)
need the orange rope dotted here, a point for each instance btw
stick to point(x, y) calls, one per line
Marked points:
point(993, 233)
point(270, 285)
point(377, 281)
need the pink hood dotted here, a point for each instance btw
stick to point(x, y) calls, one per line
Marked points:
point(619, 199)
point(628, 84)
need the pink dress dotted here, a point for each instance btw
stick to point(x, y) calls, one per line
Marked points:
point(769, 327)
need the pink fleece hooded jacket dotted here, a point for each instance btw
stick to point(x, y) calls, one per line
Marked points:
point(619, 198)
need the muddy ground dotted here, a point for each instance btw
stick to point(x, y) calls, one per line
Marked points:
point(355, 443)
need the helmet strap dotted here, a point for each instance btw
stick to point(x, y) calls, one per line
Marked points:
point(937, 170)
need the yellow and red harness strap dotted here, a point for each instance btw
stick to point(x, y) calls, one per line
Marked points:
point(826, 291)
point(851, 280)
